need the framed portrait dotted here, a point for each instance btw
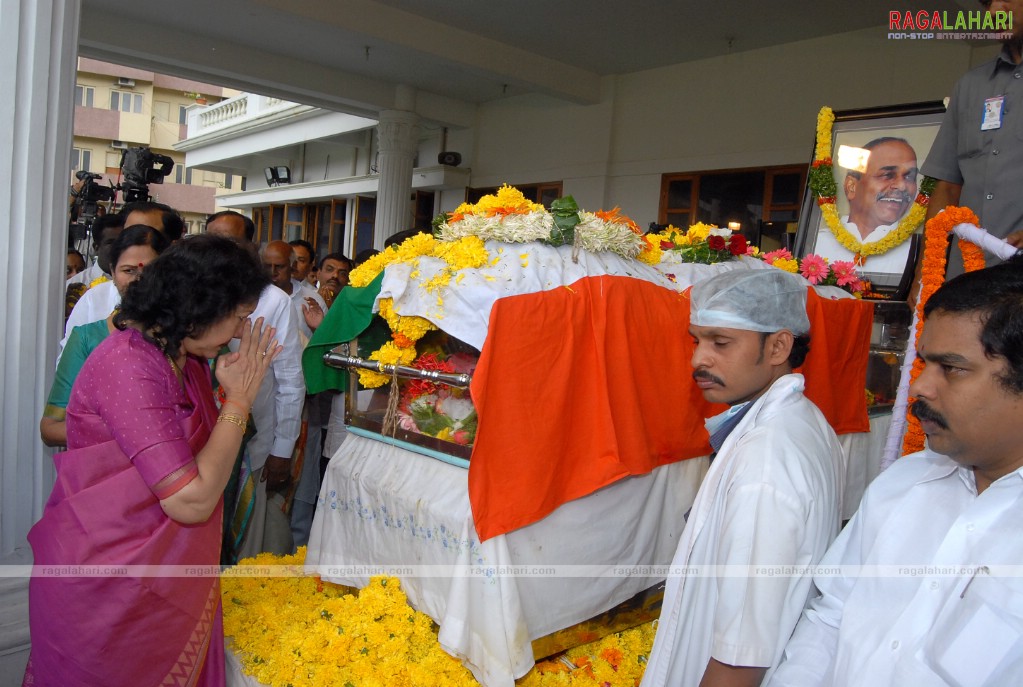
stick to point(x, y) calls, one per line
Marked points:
point(874, 217)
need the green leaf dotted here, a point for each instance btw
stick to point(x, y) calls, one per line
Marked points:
point(565, 212)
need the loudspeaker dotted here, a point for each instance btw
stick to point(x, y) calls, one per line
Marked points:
point(449, 158)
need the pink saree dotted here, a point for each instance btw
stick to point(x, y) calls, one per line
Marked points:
point(132, 424)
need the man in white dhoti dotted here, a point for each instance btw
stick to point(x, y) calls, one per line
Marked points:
point(769, 504)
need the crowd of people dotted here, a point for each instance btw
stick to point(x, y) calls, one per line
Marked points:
point(173, 461)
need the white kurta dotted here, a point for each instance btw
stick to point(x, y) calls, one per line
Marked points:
point(277, 410)
point(940, 599)
point(771, 497)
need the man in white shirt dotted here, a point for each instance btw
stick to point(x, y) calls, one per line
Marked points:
point(279, 260)
point(770, 501)
point(923, 587)
point(276, 412)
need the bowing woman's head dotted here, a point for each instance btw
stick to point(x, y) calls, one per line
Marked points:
point(195, 298)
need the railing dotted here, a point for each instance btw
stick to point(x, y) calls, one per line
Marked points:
point(232, 112)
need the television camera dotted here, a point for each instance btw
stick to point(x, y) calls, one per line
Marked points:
point(139, 167)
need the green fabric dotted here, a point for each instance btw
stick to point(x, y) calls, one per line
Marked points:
point(83, 340)
point(347, 318)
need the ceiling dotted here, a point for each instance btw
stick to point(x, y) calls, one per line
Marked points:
point(351, 54)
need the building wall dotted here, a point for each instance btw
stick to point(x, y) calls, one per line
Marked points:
point(747, 109)
point(159, 125)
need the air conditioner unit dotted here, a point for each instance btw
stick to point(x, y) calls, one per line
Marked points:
point(118, 145)
point(127, 83)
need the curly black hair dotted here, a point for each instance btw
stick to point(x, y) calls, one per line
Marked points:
point(194, 284)
point(137, 235)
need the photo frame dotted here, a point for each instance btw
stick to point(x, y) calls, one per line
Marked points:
point(876, 189)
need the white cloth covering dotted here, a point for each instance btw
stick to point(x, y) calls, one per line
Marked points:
point(464, 312)
point(912, 604)
point(300, 290)
point(95, 304)
point(385, 506)
point(771, 497)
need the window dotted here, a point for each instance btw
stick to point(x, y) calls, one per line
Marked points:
point(544, 193)
point(228, 180)
point(84, 95)
point(423, 204)
point(182, 114)
point(182, 174)
point(81, 159)
point(294, 222)
point(113, 160)
point(365, 216)
point(759, 200)
point(125, 101)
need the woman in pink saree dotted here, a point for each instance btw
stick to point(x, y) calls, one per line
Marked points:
point(125, 587)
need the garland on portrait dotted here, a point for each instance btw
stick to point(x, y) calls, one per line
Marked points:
point(822, 183)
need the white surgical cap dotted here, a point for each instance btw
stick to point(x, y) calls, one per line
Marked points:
point(754, 300)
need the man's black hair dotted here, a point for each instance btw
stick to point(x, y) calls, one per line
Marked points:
point(250, 226)
point(173, 225)
point(102, 224)
point(995, 295)
point(340, 257)
point(364, 255)
point(308, 246)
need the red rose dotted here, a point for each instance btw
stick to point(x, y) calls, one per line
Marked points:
point(716, 243)
point(667, 245)
point(737, 244)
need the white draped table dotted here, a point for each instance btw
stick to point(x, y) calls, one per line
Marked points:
point(386, 510)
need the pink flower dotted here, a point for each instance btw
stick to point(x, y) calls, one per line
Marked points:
point(814, 268)
point(845, 272)
point(780, 254)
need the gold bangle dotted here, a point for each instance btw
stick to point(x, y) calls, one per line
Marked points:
point(234, 420)
point(236, 404)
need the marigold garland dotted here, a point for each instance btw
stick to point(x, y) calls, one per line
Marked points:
point(822, 183)
point(936, 239)
point(295, 629)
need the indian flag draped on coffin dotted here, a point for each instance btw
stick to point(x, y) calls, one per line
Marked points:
point(581, 322)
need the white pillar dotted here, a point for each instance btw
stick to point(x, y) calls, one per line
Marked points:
point(37, 75)
point(396, 151)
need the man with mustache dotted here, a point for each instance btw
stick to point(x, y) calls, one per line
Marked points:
point(879, 197)
point(333, 276)
point(924, 589)
point(770, 501)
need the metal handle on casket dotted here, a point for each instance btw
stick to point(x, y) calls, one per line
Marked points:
point(340, 359)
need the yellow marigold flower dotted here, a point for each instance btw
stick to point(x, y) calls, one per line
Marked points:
point(825, 121)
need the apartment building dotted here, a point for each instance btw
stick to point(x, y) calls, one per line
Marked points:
point(120, 107)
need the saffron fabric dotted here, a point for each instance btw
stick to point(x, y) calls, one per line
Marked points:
point(597, 373)
point(134, 428)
